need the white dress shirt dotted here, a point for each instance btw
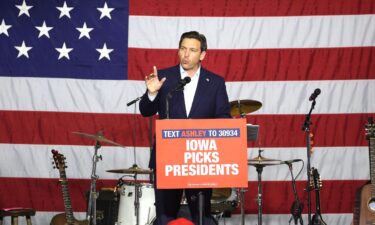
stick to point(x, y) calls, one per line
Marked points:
point(190, 88)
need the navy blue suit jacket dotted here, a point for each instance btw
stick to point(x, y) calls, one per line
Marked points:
point(210, 99)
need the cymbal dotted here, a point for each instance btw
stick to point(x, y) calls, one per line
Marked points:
point(262, 161)
point(240, 107)
point(131, 170)
point(98, 137)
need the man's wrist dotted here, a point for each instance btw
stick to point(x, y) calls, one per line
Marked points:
point(152, 93)
point(152, 97)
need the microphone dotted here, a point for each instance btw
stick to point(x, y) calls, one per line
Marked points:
point(288, 162)
point(134, 101)
point(315, 94)
point(181, 84)
point(179, 87)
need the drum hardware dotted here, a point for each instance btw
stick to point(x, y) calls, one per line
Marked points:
point(243, 107)
point(98, 137)
point(137, 194)
point(91, 208)
point(263, 161)
point(132, 170)
point(136, 204)
point(259, 162)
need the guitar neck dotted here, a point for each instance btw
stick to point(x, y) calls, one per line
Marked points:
point(372, 161)
point(317, 200)
point(317, 184)
point(66, 197)
point(66, 218)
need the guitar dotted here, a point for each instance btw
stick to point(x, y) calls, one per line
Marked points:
point(367, 194)
point(316, 184)
point(66, 218)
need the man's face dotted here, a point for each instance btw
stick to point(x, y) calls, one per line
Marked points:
point(190, 54)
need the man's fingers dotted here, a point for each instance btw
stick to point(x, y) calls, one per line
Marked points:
point(162, 80)
point(149, 77)
point(155, 71)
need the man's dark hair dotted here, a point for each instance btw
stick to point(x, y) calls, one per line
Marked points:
point(195, 35)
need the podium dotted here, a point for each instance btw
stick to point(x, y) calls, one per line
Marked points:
point(201, 153)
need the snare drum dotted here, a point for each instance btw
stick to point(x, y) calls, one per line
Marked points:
point(146, 211)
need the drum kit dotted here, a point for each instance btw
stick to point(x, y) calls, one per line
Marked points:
point(136, 206)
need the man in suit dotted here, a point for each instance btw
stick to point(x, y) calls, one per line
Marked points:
point(205, 96)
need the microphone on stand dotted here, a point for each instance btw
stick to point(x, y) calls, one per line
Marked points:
point(315, 94)
point(134, 101)
point(297, 206)
point(291, 161)
point(180, 86)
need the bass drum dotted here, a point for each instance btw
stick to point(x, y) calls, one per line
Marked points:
point(224, 201)
point(146, 211)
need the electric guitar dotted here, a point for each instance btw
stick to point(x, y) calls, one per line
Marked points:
point(66, 218)
point(316, 185)
point(367, 194)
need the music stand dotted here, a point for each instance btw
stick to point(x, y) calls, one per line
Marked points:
point(252, 132)
point(252, 135)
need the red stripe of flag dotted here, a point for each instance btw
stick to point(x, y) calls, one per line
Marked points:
point(267, 64)
point(25, 127)
point(236, 8)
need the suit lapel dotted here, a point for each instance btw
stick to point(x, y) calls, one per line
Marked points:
point(203, 83)
point(178, 97)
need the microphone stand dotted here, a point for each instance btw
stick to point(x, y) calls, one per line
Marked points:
point(180, 87)
point(169, 96)
point(297, 206)
point(150, 133)
point(137, 187)
point(91, 209)
point(200, 207)
point(306, 128)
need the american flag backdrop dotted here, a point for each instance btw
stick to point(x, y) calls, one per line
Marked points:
point(72, 65)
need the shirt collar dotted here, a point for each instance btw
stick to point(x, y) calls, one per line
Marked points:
point(184, 74)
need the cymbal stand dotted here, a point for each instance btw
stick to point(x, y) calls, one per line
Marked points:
point(259, 169)
point(137, 195)
point(91, 208)
point(242, 190)
point(260, 202)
